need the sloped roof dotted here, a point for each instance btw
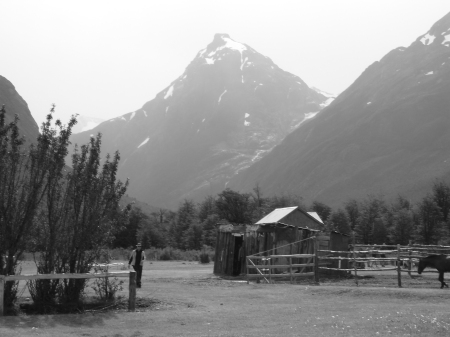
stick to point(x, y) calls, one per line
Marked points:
point(276, 215)
point(315, 216)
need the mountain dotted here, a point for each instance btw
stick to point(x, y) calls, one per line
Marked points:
point(388, 133)
point(15, 104)
point(85, 123)
point(228, 109)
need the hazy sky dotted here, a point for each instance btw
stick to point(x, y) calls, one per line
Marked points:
point(107, 58)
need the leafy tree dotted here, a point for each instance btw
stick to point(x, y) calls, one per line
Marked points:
point(193, 237)
point(128, 235)
point(206, 208)
point(210, 230)
point(371, 212)
point(85, 219)
point(234, 206)
point(186, 216)
point(441, 195)
point(399, 221)
point(428, 221)
point(27, 173)
point(323, 210)
point(401, 231)
point(339, 222)
point(352, 209)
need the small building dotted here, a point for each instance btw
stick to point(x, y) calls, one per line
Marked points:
point(272, 234)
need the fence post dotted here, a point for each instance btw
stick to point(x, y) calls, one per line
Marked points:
point(399, 272)
point(290, 268)
point(409, 263)
point(354, 265)
point(270, 270)
point(316, 260)
point(132, 291)
point(2, 292)
point(246, 265)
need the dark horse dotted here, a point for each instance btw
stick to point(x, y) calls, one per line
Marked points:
point(440, 262)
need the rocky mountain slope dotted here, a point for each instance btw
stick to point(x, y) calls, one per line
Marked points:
point(15, 104)
point(388, 133)
point(229, 108)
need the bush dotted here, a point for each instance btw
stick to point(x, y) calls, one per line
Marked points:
point(106, 288)
point(204, 257)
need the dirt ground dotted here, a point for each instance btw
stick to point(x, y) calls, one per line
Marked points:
point(186, 299)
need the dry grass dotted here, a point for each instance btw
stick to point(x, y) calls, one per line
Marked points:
point(187, 300)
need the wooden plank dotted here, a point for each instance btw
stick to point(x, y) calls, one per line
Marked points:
point(132, 291)
point(275, 266)
point(65, 276)
point(295, 256)
point(399, 273)
point(252, 276)
point(323, 238)
point(2, 291)
point(316, 261)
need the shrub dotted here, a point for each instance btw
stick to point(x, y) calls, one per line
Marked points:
point(106, 288)
point(204, 257)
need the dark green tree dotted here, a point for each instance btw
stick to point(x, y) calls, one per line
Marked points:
point(27, 174)
point(234, 207)
point(323, 210)
point(370, 216)
point(352, 209)
point(339, 222)
point(428, 222)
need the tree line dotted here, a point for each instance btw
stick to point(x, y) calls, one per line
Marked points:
point(371, 220)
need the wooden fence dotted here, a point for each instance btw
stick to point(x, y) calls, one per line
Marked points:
point(130, 274)
point(395, 256)
point(270, 266)
point(360, 258)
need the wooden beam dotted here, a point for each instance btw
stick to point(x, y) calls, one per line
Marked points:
point(132, 291)
point(2, 292)
point(65, 276)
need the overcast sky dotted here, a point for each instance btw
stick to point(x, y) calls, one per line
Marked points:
point(107, 58)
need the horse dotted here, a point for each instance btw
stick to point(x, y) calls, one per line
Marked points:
point(440, 262)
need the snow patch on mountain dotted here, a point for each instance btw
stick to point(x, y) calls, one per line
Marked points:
point(169, 92)
point(427, 39)
point(446, 39)
point(327, 102)
point(132, 115)
point(220, 97)
point(144, 142)
point(430, 73)
point(145, 113)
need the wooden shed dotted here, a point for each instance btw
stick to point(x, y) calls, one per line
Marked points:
point(272, 233)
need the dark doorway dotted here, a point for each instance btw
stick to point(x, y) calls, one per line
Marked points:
point(237, 258)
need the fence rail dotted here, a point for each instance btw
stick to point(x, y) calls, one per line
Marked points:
point(130, 274)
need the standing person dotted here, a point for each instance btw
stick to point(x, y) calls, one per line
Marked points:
point(137, 261)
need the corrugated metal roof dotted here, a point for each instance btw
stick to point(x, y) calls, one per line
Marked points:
point(276, 215)
point(315, 216)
